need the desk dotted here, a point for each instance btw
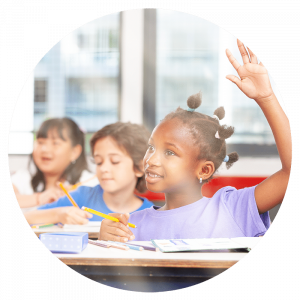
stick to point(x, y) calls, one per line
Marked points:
point(148, 271)
point(93, 231)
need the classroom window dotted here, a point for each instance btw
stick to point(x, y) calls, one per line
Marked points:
point(40, 96)
point(79, 76)
point(190, 56)
point(187, 60)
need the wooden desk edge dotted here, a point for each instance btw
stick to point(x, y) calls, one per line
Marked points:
point(169, 263)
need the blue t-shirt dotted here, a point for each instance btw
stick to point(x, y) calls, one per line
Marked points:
point(91, 197)
point(229, 213)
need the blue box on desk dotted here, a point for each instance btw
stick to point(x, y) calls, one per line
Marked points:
point(65, 242)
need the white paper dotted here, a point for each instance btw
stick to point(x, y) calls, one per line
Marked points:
point(89, 224)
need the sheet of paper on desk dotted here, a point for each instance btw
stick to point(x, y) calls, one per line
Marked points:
point(89, 224)
point(249, 242)
point(177, 245)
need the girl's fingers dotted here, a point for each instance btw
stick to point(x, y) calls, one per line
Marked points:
point(232, 60)
point(78, 219)
point(124, 218)
point(235, 80)
point(115, 231)
point(261, 64)
point(243, 52)
point(119, 229)
point(253, 57)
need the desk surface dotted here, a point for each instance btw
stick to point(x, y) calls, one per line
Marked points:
point(97, 256)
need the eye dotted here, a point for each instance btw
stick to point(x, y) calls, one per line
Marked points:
point(150, 148)
point(40, 142)
point(168, 152)
point(98, 163)
point(115, 162)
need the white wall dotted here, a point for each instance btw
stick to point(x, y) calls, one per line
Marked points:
point(132, 66)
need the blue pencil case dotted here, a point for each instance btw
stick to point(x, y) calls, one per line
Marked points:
point(65, 242)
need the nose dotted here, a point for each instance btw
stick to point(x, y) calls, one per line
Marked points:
point(152, 159)
point(104, 167)
point(46, 147)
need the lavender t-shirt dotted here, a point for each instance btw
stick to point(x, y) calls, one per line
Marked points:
point(229, 213)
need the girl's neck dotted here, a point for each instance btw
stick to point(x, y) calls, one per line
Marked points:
point(179, 199)
point(51, 180)
point(122, 201)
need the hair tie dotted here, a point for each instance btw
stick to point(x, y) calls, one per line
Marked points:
point(191, 109)
point(217, 135)
point(226, 159)
point(216, 117)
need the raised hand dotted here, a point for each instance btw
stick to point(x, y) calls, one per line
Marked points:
point(254, 80)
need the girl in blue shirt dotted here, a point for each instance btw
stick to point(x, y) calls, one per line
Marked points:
point(118, 151)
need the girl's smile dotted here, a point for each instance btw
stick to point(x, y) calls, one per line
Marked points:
point(151, 176)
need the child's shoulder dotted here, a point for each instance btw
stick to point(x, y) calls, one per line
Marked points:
point(21, 173)
point(146, 203)
point(229, 192)
point(88, 190)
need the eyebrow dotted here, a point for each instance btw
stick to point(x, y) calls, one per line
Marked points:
point(171, 144)
point(167, 143)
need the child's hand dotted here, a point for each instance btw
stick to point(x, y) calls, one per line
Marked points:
point(72, 215)
point(49, 195)
point(116, 231)
point(254, 81)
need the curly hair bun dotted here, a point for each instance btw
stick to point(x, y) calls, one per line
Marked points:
point(194, 101)
point(233, 157)
point(220, 112)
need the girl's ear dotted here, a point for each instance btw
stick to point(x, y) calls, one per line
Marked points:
point(76, 151)
point(205, 170)
point(137, 172)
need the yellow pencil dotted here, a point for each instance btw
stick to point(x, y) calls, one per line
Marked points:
point(68, 195)
point(104, 215)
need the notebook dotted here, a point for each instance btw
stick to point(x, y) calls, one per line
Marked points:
point(180, 245)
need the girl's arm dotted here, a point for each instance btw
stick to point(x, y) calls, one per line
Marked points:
point(65, 215)
point(254, 82)
point(36, 199)
point(26, 200)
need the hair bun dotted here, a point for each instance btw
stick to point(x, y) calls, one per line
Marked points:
point(233, 157)
point(220, 112)
point(194, 101)
point(225, 132)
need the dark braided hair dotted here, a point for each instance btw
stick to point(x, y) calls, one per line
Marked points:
point(208, 135)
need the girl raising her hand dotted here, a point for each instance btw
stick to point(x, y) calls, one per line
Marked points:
point(184, 152)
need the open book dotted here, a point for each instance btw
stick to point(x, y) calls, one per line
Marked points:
point(180, 245)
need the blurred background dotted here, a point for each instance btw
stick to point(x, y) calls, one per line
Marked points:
point(138, 66)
